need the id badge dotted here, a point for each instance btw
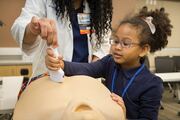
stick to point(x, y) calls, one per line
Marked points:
point(84, 22)
point(83, 19)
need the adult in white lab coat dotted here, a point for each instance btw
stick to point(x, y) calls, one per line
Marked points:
point(58, 23)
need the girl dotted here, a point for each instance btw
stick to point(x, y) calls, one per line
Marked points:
point(124, 70)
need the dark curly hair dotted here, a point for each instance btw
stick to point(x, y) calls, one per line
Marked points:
point(101, 15)
point(158, 40)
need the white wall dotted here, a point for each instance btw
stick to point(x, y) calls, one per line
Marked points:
point(122, 8)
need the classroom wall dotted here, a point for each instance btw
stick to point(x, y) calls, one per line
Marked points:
point(122, 8)
point(9, 10)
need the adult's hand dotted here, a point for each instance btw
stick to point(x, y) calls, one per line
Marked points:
point(46, 28)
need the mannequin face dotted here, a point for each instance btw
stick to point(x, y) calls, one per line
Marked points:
point(77, 98)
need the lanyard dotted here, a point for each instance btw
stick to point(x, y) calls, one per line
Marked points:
point(129, 83)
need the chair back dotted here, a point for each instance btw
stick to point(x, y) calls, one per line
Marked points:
point(177, 62)
point(164, 64)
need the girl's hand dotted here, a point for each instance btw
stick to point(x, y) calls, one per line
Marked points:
point(119, 101)
point(52, 62)
point(44, 27)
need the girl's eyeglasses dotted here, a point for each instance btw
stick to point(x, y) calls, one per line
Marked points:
point(125, 43)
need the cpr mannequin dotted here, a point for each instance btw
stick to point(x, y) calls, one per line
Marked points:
point(77, 98)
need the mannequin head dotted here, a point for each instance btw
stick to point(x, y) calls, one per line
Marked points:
point(77, 98)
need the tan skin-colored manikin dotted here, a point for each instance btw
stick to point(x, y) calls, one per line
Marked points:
point(77, 98)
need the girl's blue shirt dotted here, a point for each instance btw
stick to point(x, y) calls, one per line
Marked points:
point(142, 99)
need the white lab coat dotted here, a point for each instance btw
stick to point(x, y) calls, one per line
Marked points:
point(44, 9)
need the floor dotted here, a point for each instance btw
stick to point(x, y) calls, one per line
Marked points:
point(171, 106)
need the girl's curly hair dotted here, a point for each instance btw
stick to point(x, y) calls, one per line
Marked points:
point(158, 40)
point(101, 15)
